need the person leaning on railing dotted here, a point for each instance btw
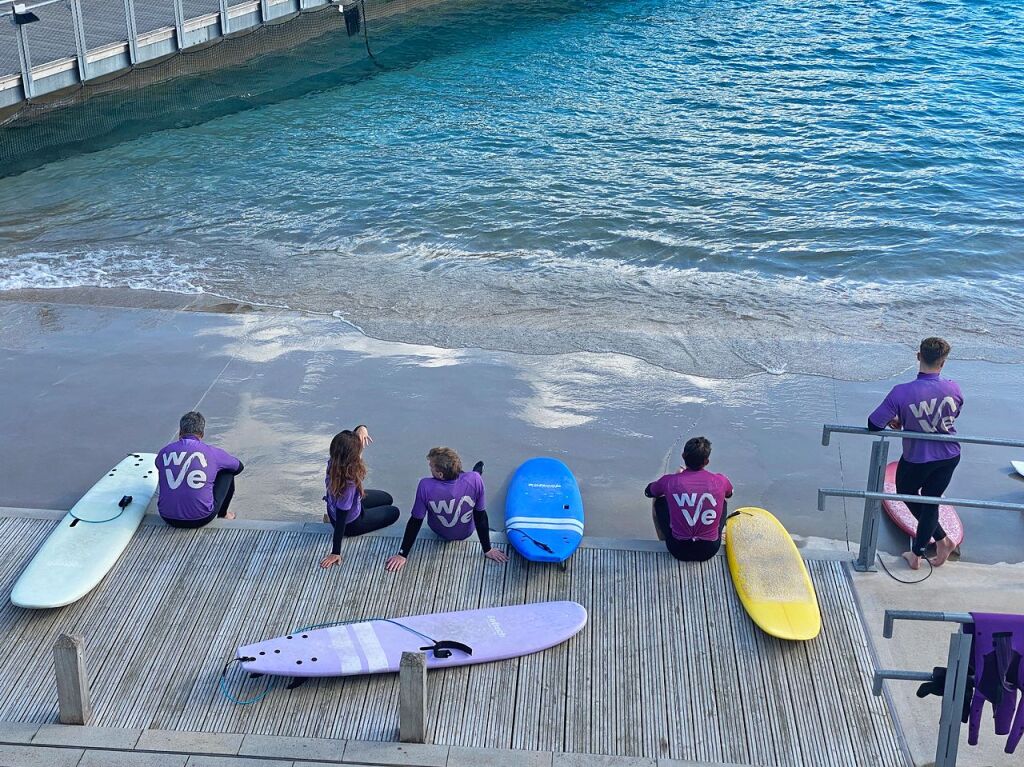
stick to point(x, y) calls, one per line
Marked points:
point(929, 404)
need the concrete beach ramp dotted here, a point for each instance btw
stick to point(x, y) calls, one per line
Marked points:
point(668, 666)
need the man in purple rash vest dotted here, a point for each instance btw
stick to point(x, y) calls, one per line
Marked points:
point(197, 480)
point(453, 503)
point(929, 404)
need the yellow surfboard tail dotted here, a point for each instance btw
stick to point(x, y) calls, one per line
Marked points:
point(770, 576)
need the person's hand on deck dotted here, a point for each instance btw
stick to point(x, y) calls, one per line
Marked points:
point(330, 561)
point(496, 555)
point(364, 435)
point(395, 563)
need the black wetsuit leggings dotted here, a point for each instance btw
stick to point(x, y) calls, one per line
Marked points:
point(686, 551)
point(223, 492)
point(930, 478)
point(379, 512)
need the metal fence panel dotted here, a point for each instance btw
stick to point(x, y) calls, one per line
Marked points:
point(153, 14)
point(53, 36)
point(194, 8)
point(104, 22)
point(8, 46)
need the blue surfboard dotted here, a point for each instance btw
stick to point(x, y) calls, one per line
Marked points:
point(544, 511)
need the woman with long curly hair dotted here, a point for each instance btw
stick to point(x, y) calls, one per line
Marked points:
point(352, 510)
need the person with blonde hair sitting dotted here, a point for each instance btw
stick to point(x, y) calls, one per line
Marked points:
point(453, 502)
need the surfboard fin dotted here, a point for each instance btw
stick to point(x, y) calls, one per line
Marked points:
point(443, 648)
point(297, 681)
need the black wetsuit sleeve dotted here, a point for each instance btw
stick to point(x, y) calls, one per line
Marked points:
point(647, 491)
point(339, 530)
point(241, 468)
point(412, 529)
point(483, 529)
point(872, 427)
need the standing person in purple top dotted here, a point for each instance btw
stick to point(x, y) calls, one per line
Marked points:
point(351, 509)
point(690, 506)
point(453, 503)
point(197, 480)
point(929, 404)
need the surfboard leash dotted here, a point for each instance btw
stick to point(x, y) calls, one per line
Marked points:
point(538, 544)
point(931, 569)
point(227, 693)
point(124, 503)
point(441, 648)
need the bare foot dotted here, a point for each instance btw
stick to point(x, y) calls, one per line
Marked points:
point(229, 515)
point(943, 548)
point(912, 559)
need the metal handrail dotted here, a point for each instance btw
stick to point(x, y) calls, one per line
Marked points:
point(891, 616)
point(930, 500)
point(830, 428)
point(33, 6)
point(873, 495)
point(954, 689)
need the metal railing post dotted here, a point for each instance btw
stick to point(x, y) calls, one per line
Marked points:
point(872, 508)
point(80, 46)
point(25, 61)
point(133, 32)
point(954, 693)
point(179, 23)
point(225, 21)
point(264, 11)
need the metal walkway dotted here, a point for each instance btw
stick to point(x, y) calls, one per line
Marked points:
point(669, 665)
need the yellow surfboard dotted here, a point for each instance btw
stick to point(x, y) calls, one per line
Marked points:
point(770, 576)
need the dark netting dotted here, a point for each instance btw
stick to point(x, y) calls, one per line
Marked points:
point(290, 56)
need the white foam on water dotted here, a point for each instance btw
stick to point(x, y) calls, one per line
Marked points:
point(100, 269)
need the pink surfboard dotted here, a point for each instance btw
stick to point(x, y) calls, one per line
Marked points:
point(376, 646)
point(900, 514)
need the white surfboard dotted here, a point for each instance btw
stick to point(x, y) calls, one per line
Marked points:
point(90, 538)
point(1018, 466)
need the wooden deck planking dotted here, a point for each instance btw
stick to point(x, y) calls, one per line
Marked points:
point(255, 585)
point(580, 718)
point(669, 665)
point(552, 714)
point(722, 605)
point(489, 712)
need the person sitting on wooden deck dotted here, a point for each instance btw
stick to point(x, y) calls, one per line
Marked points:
point(453, 502)
point(197, 480)
point(690, 506)
point(351, 509)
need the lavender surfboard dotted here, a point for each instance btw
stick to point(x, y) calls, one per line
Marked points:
point(376, 647)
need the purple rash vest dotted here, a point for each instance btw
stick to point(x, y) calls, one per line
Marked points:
point(349, 501)
point(448, 504)
point(696, 500)
point(186, 470)
point(928, 404)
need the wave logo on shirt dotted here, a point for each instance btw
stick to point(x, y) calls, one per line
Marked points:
point(688, 502)
point(194, 479)
point(449, 513)
point(932, 417)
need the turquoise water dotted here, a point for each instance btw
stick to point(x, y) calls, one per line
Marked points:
point(717, 187)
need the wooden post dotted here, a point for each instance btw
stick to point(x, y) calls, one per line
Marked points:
point(73, 702)
point(412, 698)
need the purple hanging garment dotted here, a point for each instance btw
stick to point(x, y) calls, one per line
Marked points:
point(998, 648)
point(1017, 730)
